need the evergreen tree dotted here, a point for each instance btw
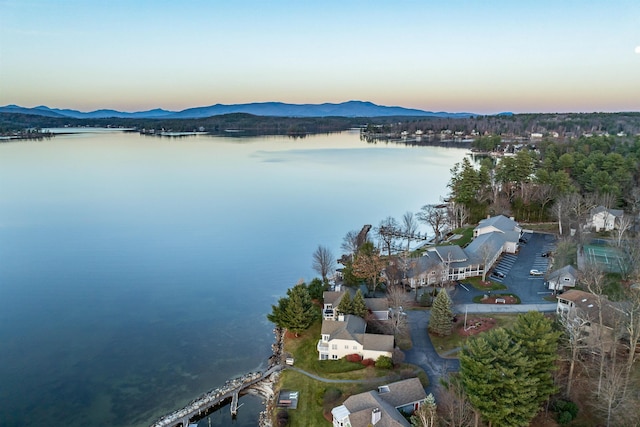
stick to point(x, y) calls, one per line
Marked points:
point(496, 377)
point(539, 342)
point(441, 314)
point(358, 307)
point(296, 311)
point(316, 287)
point(346, 306)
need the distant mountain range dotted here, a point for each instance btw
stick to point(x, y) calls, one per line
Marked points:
point(274, 109)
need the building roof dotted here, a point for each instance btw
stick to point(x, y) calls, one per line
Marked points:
point(344, 330)
point(404, 392)
point(361, 405)
point(353, 329)
point(331, 297)
point(491, 242)
point(386, 399)
point(587, 304)
point(499, 222)
point(452, 253)
point(566, 270)
point(376, 342)
point(614, 212)
point(428, 261)
point(377, 304)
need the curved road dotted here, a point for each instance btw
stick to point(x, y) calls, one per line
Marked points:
point(423, 354)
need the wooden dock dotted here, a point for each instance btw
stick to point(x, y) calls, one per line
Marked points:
point(199, 407)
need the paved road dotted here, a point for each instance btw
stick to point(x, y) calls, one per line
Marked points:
point(423, 354)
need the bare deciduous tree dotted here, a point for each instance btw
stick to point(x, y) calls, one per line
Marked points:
point(323, 262)
point(624, 223)
point(397, 298)
point(388, 232)
point(409, 227)
point(454, 404)
point(350, 242)
point(434, 216)
point(573, 341)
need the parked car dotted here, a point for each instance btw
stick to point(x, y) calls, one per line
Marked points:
point(499, 274)
point(536, 273)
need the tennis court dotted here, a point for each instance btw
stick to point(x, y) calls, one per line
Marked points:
point(609, 259)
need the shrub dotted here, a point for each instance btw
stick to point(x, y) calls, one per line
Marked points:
point(397, 356)
point(353, 358)
point(564, 418)
point(567, 411)
point(384, 362)
point(368, 362)
point(425, 300)
point(331, 396)
point(283, 417)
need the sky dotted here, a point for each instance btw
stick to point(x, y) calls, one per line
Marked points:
point(484, 56)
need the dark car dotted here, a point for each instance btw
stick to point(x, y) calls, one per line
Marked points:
point(498, 274)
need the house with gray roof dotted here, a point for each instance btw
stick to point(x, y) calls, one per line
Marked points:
point(382, 407)
point(496, 223)
point(562, 278)
point(348, 335)
point(604, 219)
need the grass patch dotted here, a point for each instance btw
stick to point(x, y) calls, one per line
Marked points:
point(467, 236)
point(477, 283)
point(544, 227)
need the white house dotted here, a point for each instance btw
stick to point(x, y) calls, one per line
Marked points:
point(565, 277)
point(347, 335)
point(498, 223)
point(381, 408)
point(604, 219)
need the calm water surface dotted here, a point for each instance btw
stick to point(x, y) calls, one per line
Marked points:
point(136, 272)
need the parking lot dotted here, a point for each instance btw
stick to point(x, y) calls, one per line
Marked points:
point(514, 270)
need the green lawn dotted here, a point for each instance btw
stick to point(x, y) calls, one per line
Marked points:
point(317, 397)
point(477, 283)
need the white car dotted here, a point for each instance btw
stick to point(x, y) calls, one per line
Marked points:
point(536, 273)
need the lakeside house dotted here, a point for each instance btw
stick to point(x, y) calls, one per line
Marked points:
point(342, 335)
point(383, 407)
point(347, 334)
point(492, 237)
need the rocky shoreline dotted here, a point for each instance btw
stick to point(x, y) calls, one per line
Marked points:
point(266, 388)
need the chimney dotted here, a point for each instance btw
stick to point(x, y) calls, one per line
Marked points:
point(375, 416)
point(340, 317)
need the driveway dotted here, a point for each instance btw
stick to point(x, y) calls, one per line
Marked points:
point(423, 354)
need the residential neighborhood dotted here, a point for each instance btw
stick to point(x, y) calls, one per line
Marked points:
point(500, 251)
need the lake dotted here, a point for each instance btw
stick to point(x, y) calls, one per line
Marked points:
point(136, 272)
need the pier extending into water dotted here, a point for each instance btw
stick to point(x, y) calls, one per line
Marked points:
point(232, 389)
point(202, 405)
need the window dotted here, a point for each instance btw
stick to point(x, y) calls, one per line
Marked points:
point(334, 356)
point(355, 347)
point(346, 346)
point(334, 346)
point(567, 279)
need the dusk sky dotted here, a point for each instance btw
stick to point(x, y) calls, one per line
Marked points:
point(476, 56)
